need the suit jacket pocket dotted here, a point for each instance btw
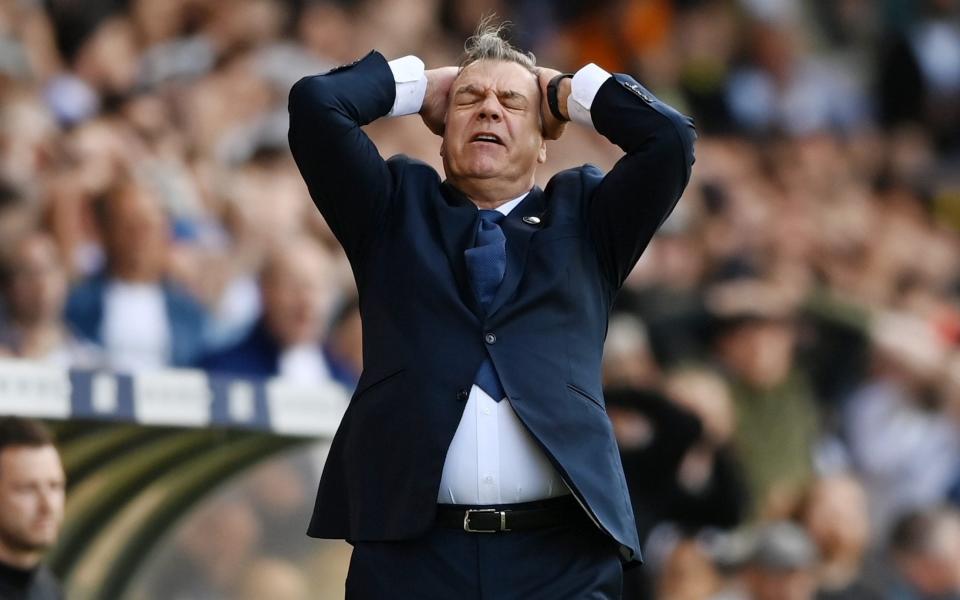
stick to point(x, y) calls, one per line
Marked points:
point(376, 379)
point(582, 394)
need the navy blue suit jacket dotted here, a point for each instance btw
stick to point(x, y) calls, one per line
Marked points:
point(424, 335)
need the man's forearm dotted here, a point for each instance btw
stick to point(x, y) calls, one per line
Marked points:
point(345, 174)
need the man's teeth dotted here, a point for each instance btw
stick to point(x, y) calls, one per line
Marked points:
point(486, 138)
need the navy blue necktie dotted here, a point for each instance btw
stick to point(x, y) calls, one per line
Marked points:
point(486, 265)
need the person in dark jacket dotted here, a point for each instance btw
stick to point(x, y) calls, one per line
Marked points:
point(298, 290)
point(140, 318)
point(32, 485)
point(483, 296)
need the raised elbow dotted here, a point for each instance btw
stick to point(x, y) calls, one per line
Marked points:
point(307, 95)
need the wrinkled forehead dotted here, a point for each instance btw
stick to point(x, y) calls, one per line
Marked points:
point(501, 76)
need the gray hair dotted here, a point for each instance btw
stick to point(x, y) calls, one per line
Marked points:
point(488, 44)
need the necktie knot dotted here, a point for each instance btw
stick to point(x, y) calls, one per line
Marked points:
point(490, 217)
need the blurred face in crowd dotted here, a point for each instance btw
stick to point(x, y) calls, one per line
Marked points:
point(37, 283)
point(135, 235)
point(836, 518)
point(687, 574)
point(27, 133)
point(297, 293)
point(272, 578)
point(933, 569)
point(759, 352)
point(776, 584)
point(108, 60)
point(492, 133)
point(627, 359)
point(706, 395)
point(32, 486)
point(224, 557)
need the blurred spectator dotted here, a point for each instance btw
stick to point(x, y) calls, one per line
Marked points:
point(653, 435)
point(926, 552)
point(297, 299)
point(781, 566)
point(32, 488)
point(279, 494)
point(34, 291)
point(776, 416)
point(344, 347)
point(273, 578)
point(907, 452)
point(710, 488)
point(919, 72)
point(680, 468)
point(781, 89)
point(142, 320)
point(836, 517)
point(627, 360)
point(688, 574)
point(28, 137)
point(207, 566)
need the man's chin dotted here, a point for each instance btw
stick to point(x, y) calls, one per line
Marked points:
point(38, 542)
point(484, 170)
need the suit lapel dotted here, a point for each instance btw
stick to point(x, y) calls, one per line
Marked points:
point(518, 233)
point(458, 219)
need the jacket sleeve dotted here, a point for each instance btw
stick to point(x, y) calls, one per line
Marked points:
point(638, 194)
point(348, 180)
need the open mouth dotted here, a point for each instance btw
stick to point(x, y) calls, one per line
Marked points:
point(487, 138)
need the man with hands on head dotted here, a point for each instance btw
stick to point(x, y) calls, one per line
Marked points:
point(476, 459)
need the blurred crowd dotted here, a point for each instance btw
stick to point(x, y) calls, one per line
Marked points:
point(783, 365)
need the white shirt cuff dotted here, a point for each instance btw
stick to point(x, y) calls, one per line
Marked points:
point(408, 73)
point(583, 89)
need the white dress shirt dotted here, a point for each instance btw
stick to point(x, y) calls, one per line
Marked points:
point(493, 458)
point(304, 364)
point(135, 329)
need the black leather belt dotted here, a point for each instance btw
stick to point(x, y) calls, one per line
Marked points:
point(509, 517)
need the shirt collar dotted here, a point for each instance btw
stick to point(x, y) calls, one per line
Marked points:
point(506, 207)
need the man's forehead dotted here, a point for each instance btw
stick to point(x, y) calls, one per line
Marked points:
point(25, 460)
point(501, 75)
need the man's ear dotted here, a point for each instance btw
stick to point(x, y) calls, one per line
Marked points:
point(542, 154)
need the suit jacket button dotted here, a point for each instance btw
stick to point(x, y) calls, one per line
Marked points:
point(462, 395)
point(490, 338)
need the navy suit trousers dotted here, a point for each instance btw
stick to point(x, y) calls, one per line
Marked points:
point(574, 561)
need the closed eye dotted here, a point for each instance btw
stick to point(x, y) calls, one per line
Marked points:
point(513, 100)
point(468, 95)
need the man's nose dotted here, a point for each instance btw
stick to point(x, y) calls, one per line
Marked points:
point(48, 500)
point(490, 108)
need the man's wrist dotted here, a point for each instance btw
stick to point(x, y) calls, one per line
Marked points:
point(411, 81)
point(556, 104)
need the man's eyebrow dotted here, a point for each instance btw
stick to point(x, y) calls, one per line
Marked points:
point(469, 89)
point(512, 94)
point(475, 90)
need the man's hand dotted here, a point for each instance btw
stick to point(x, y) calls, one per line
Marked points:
point(552, 126)
point(436, 98)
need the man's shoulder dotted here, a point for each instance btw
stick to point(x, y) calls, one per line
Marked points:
point(402, 161)
point(410, 172)
point(46, 586)
point(580, 180)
